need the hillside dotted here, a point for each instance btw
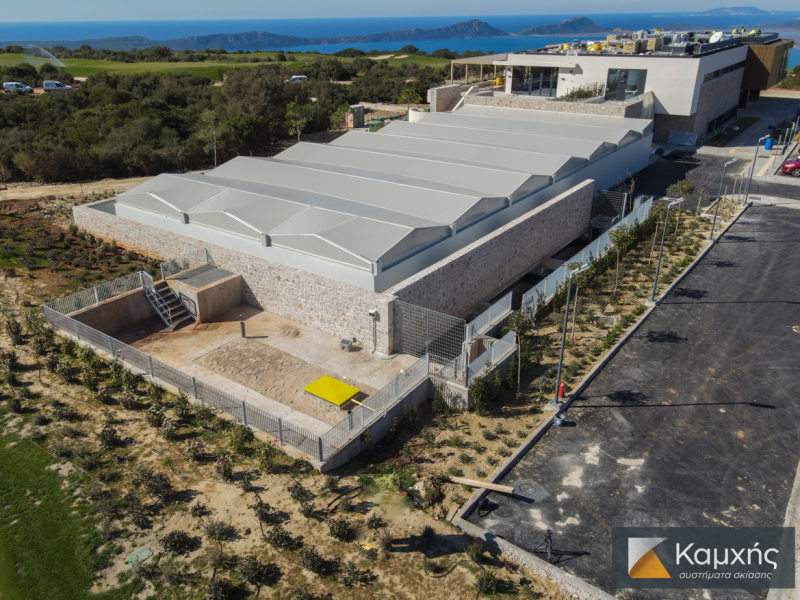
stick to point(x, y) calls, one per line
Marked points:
point(249, 40)
point(577, 25)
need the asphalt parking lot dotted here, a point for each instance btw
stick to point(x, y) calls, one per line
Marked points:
point(695, 422)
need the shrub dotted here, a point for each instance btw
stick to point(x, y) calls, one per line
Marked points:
point(219, 531)
point(345, 505)
point(478, 448)
point(455, 441)
point(264, 513)
point(155, 415)
point(128, 401)
point(61, 449)
point(486, 583)
point(331, 484)
point(155, 393)
point(219, 589)
point(433, 495)
point(488, 435)
point(374, 522)
point(480, 474)
point(474, 551)
point(224, 466)
point(89, 377)
point(455, 472)
point(253, 572)
point(299, 493)
point(40, 420)
point(104, 395)
point(195, 449)
point(15, 404)
point(9, 361)
point(504, 452)
point(198, 510)
point(182, 407)
point(307, 510)
point(311, 560)
point(499, 429)
point(65, 370)
point(169, 430)
point(341, 528)
point(174, 541)
point(351, 575)
point(277, 537)
point(385, 540)
point(412, 413)
point(109, 438)
point(639, 310)
point(65, 413)
point(239, 437)
point(158, 485)
point(13, 330)
point(464, 458)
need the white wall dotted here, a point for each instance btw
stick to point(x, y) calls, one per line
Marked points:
point(675, 81)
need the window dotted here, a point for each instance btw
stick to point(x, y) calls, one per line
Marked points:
point(623, 84)
point(537, 81)
point(723, 71)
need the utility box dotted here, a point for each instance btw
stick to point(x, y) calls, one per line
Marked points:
point(356, 117)
point(346, 345)
point(632, 47)
point(653, 44)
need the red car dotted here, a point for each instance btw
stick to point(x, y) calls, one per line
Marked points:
point(792, 167)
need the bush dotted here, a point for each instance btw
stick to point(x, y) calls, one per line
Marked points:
point(486, 583)
point(219, 589)
point(219, 531)
point(174, 541)
point(374, 522)
point(224, 467)
point(307, 510)
point(155, 415)
point(239, 437)
point(331, 484)
point(351, 575)
point(455, 472)
point(128, 401)
point(182, 407)
point(277, 537)
point(455, 441)
point(158, 485)
point(464, 458)
point(65, 413)
point(169, 430)
point(13, 330)
point(341, 528)
point(9, 361)
point(195, 449)
point(104, 395)
point(345, 505)
point(311, 560)
point(488, 435)
point(299, 493)
point(264, 513)
point(412, 413)
point(253, 572)
point(109, 438)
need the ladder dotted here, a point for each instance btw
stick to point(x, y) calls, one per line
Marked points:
point(165, 302)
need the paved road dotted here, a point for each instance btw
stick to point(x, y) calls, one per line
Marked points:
point(695, 422)
point(706, 169)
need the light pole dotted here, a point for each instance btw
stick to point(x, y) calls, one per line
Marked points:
point(554, 404)
point(753, 168)
point(652, 300)
point(719, 199)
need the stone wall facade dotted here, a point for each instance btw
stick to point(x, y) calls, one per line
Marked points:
point(612, 109)
point(324, 304)
point(716, 97)
point(458, 282)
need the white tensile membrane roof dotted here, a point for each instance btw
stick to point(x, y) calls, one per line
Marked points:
point(385, 196)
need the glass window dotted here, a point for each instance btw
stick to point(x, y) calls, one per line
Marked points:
point(623, 84)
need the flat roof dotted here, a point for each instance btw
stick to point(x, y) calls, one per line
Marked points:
point(370, 199)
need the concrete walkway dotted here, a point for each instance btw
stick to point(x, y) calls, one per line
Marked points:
point(695, 422)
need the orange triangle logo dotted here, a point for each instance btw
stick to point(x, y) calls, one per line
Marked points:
point(649, 566)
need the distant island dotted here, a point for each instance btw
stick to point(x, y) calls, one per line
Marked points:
point(736, 10)
point(576, 25)
point(473, 28)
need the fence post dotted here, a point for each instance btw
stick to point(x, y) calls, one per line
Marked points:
point(280, 430)
point(349, 420)
point(396, 387)
point(96, 298)
point(319, 440)
point(111, 343)
point(361, 410)
point(153, 373)
point(491, 354)
point(194, 387)
point(205, 254)
point(141, 280)
point(161, 266)
point(244, 413)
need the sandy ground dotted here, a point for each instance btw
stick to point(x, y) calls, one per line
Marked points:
point(24, 191)
point(278, 375)
point(186, 347)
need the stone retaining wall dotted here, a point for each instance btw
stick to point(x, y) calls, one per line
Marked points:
point(324, 304)
point(631, 110)
point(457, 283)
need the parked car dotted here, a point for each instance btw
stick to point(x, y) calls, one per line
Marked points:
point(792, 167)
point(297, 79)
point(56, 86)
point(9, 87)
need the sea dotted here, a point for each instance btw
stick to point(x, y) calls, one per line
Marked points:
point(165, 30)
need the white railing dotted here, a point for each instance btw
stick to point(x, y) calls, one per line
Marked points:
point(489, 357)
point(95, 295)
point(489, 317)
point(545, 289)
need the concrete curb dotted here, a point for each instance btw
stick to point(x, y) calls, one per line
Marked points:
point(522, 557)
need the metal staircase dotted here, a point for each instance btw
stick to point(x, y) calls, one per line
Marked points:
point(165, 302)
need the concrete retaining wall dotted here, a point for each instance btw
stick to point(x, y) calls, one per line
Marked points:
point(631, 110)
point(206, 303)
point(380, 428)
point(457, 283)
point(118, 314)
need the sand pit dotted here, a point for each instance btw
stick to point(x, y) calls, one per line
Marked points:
point(278, 375)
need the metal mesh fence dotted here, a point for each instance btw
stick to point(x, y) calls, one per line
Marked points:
point(93, 296)
point(420, 331)
point(505, 344)
point(192, 260)
point(546, 289)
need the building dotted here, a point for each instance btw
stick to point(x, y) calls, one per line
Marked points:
point(443, 212)
point(689, 83)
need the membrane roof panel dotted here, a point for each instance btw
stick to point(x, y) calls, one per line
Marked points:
point(312, 220)
point(371, 239)
point(186, 197)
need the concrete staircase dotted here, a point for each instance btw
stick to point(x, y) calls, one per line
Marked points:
point(167, 304)
point(451, 106)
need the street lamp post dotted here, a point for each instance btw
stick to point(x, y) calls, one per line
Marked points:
point(554, 404)
point(652, 300)
point(719, 199)
point(752, 169)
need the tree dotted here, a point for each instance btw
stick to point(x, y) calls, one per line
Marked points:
point(210, 132)
point(339, 119)
point(299, 115)
point(681, 189)
point(409, 97)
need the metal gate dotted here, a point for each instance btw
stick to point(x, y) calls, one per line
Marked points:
point(419, 331)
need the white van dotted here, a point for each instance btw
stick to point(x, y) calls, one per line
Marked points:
point(55, 86)
point(297, 79)
point(9, 87)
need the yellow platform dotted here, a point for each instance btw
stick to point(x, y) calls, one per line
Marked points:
point(330, 389)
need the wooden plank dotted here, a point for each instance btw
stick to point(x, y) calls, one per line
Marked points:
point(452, 513)
point(506, 489)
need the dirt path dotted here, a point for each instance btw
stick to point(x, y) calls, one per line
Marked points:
point(27, 191)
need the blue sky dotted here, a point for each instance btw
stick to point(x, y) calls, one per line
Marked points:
point(146, 10)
